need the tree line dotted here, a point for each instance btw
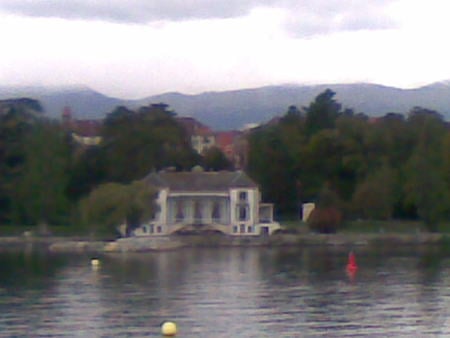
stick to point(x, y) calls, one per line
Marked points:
point(395, 166)
point(391, 167)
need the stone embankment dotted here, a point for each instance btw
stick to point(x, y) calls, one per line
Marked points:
point(163, 243)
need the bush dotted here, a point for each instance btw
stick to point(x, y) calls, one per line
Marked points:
point(325, 220)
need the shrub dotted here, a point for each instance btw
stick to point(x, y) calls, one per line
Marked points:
point(325, 219)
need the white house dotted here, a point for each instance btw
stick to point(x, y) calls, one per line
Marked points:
point(225, 201)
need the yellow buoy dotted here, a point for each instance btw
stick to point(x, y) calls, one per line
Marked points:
point(169, 329)
point(95, 262)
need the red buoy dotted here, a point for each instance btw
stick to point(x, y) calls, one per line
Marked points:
point(351, 265)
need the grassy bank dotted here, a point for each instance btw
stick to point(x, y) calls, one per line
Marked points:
point(371, 227)
point(53, 230)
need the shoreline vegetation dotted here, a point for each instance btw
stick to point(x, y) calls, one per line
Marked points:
point(296, 234)
point(349, 165)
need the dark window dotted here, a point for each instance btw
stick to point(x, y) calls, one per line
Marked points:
point(197, 211)
point(243, 196)
point(180, 211)
point(158, 229)
point(243, 213)
point(235, 229)
point(215, 214)
point(242, 228)
point(249, 229)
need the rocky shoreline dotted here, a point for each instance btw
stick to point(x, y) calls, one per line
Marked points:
point(164, 243)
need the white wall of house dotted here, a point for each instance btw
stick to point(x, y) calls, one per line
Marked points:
point(307, 210)
point(244, 225)
point(161, 201)
point(201, 143)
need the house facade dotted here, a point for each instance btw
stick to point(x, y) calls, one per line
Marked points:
point(226, 202)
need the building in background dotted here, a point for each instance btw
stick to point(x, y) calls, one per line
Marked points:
point(84, 132)
point(232, 143)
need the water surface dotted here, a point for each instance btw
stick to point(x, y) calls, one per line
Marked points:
point(229, 292)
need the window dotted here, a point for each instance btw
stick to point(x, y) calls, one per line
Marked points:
point(198, 211)
point(152, 228)
point(159, 229)
point(180, 211)
point(249, 229)
point(235, 229)
point(215, 213)
point(243, 213)
point(144, 229)
point(242, 196)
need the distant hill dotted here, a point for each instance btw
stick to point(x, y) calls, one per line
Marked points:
point(84, 102)
point(233, 109)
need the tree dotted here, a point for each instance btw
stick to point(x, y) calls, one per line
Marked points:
point(17, 117)
point(135, 143)
point(113, 204)
point(271, 166)
point(326, 216)
point(425, 188)
point(322, 112)
point(323, 161)
point(40, 195)
point(374, 197)
point(88, 170)
point(214, 159)
point(446, 159)
point(425, 183)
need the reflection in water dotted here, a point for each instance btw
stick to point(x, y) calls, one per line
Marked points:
point(229, 292)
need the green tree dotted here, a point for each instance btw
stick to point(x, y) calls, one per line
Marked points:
point(113, 204)
point(374, 198)
point(425, 188)
point(135, 143)
point(40, 195)
point(446, 158)
point(323, 161)
point(271, 166)
point(214, 159)
point(322, 112)
point(425, 180)
point(88, 170)
point(17, 117)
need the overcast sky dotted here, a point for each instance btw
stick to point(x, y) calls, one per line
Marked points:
point(136, 48)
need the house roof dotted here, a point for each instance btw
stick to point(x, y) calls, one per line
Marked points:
point(87, 128)
point(194, 127)
point(200, 181)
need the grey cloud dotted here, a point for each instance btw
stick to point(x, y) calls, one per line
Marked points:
point(137, 11)
point(306, 17)
point(338, 15)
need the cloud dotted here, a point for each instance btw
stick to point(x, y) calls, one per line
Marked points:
point(303, 17)
point(132, 11)
point(322, 17)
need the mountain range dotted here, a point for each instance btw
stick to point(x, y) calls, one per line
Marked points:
point(234, 109)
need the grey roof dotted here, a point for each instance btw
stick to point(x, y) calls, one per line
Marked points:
point(200, 181)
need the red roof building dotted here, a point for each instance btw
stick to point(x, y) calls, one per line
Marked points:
point(85, 132)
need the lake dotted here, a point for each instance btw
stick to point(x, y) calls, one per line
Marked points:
point(227, 292)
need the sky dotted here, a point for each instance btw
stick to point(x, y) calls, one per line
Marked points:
point(136, 48)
